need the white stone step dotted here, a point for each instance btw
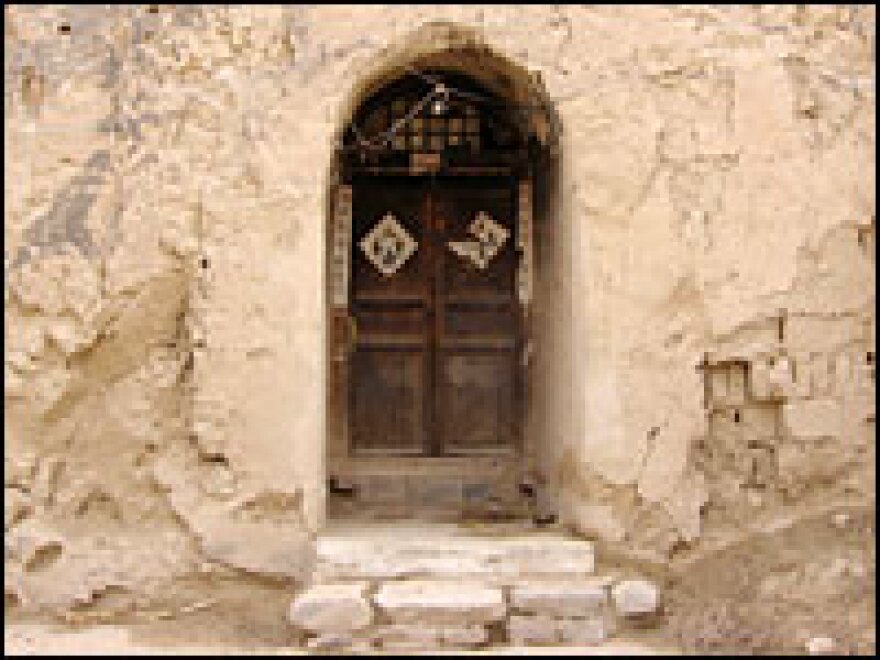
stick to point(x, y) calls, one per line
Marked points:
point(449, 552)
point(544, 630)
point(634, 598)
point(440, 602)
point(410, 586)
point(332, 608)
point(571, 597)
point(419, 636)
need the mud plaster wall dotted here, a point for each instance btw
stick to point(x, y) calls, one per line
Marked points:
point(165, 232)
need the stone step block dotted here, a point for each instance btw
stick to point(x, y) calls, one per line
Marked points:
point(332, 608)
point(338, 643)
point(560, 598)
point(636, 598)
point(588, 631)
point(454, 555)
point(527, 630)
point(405, 636)
point(430, 602)
point(542, 630)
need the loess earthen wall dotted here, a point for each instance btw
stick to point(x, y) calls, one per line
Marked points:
point(706, 365)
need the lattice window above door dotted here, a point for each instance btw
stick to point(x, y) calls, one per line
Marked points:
point(400, 119)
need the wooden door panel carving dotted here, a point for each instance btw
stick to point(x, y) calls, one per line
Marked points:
point(478, 329)
point(390, 368)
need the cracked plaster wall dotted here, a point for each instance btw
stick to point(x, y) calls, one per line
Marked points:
point(164, 224)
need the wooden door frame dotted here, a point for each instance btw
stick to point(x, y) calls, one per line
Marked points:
point(339, 445)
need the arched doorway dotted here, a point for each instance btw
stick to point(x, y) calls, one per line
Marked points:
point(439, 175)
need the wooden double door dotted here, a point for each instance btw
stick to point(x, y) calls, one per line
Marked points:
point(434, 367)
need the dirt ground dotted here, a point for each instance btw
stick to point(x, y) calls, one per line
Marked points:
point(773, 592)
point(43, 639)
point(768, 593)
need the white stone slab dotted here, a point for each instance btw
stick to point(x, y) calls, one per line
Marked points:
point(545, 630)
point(561, 598)
point(593, 630)
point(332, 608)
point(530, 630)
point(635, 597)
point(395, 554)
point(415, 635)
point(433, 601)
point(337, 642)
point(820, 646)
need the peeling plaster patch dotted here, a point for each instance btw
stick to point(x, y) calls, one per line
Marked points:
point(65, 222)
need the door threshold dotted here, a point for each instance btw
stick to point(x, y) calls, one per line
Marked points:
point(427, 465)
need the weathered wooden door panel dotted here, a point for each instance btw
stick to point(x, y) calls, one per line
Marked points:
point(459, 205)
point(390, 375)
point(435, 370)
point(374, 198)
point(477, 326)
point(388, 389)
point(477, 392)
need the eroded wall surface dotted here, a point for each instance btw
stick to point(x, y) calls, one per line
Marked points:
point(721, 194)
point(165, 219)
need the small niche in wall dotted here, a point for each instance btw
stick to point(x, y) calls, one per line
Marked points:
point(64, 28)
point(736, 416)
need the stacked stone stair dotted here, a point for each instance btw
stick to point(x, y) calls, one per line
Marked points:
point(422, 587)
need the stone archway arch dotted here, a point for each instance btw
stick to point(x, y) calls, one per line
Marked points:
point(456, 48)
point(462, 50)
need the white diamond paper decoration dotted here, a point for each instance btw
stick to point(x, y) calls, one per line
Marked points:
point(388, 245)
point(490, 239)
